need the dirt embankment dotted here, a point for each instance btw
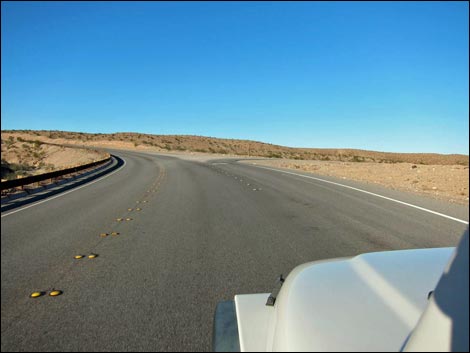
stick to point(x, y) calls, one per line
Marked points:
point(198, 144)
point(23, 157)
point(446, 182)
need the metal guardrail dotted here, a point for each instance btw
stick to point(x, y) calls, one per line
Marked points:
point(9, 184)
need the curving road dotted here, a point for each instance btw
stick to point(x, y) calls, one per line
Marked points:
point(205, 231)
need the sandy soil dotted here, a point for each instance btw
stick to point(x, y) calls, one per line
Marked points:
point(43, 158)
point(445, 182)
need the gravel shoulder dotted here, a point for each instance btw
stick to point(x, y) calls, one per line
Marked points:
point(444, 182)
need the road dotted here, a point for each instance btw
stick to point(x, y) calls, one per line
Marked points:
point(205, 232)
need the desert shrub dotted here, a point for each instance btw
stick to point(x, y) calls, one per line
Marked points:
point(19, 168)
point(272, 154)
point(9, 142)
point(357, 159)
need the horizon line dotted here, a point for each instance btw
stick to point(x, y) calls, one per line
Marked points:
point(240, 139)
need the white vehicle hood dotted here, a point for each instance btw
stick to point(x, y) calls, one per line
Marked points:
point(370, 302)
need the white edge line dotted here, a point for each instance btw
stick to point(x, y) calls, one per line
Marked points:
point(65, 193)
point(367, 192)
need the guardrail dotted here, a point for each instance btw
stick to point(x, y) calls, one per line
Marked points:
point(10, 184)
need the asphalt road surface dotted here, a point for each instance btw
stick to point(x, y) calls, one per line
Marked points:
point(205, 232)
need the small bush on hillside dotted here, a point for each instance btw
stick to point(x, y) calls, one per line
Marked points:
point(9, 142)
point(357, 159)
point(274, 154)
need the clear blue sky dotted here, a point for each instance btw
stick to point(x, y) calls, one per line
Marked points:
point(381, 76)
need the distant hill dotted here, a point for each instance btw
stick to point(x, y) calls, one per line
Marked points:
point(230, 147)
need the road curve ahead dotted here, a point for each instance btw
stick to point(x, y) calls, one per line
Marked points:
point(191, 234)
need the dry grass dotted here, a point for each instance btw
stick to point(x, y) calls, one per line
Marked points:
point(24, 157)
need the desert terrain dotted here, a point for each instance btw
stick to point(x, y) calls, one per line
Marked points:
point(445, 182)
point(190, 143)
point(434, 175)
point(23, 157)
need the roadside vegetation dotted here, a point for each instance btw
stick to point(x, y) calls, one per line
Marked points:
point(201, 144)
point(24, 156)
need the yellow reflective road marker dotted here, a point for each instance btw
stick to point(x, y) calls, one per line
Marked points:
point(119, 219)
point(36, 294)
point(103, 235)
point(129, 209)
point(78, 257)
point(114, 233)
point(145, 201)
point(128, 219)
point(138, 209)
point(55, 293)
point(92, 256)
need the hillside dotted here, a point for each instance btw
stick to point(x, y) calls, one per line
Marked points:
point(231, 147)
point(23, 157)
